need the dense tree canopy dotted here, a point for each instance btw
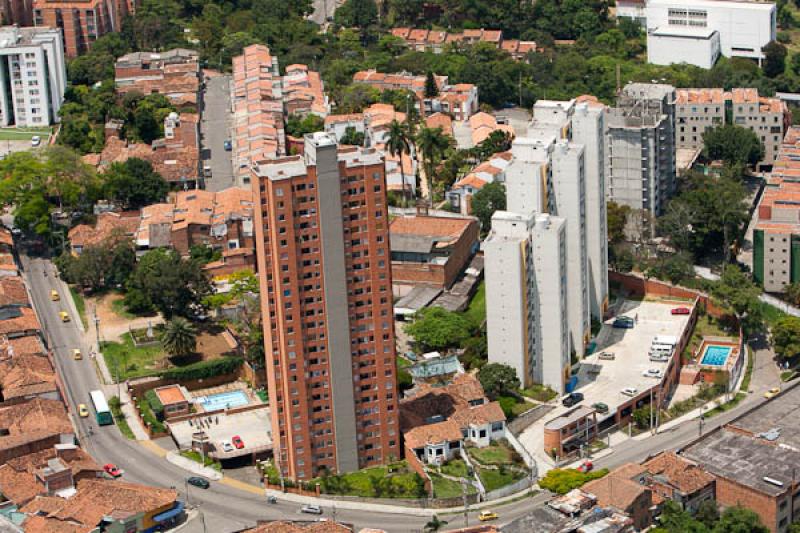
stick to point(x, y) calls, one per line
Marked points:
point(498, 379)
point(491, 198)
point(134, 184)
point(733, 145)
point(435, 328)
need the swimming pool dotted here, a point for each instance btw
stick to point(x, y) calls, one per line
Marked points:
point(715, 355)
point(223, 400)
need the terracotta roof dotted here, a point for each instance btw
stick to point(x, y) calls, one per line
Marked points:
point(33, 420)
point(108, 225)
point(440, 120)
point(486, 413)
point(430, 401)
point(678, 472)
point(12, 291)
point(26, 375)
point(29, 344)
point(470, 180)
point(25, 322)
point(300, 527)
point(6, 237)
point(98, 498)
point(700, 96)
point(170, 394)
point(615, 491)
point(447, 431)
point(41, 524)
point(442, 227)
point(352, 117)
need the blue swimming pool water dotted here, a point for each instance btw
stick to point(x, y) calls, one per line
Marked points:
point(715, 355)
point(223, 400)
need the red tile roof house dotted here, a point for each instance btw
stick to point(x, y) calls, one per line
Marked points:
point(431, 250)
point(107, 230)
point(25, 376)
point(12, 291)
point(105, 505)
point(33, 426)
point(437, 421)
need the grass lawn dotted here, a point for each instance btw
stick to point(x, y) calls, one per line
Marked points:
point(455, 468)
point(494, 479)
point(23, 134)
point(476, 312)
point(447, 488)
point(80, 305)
point(540, 393)
point(197, 458)
point(403, 482)
point(119, 418)
point(402, 363)
point(133, 361)
point(494, 454)
point(119, 308)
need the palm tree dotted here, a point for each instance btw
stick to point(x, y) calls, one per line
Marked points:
point(179, 337)
point(433, 143)
point(399, 143)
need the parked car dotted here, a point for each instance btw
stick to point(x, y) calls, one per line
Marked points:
point(629, 391)
point(681, 311)
point(76, 354)
point(36, 140)
point(487, 515)
point(83, 412)
point(623, 322)
point(659, 357)
point(572, 399)
point(606, 356)
point(311, 509)
point(227, 447)
point(237, 442)
point(652, 373)
point(64, 316)
point(771, 393)
point(227, 145)
point(585, 466)
point(54, 295)
point(600, 407)
point(200, 482)
point(112, 470)
point(272, 499)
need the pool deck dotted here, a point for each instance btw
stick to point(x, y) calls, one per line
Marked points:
point(726, 342)
point(234, 386)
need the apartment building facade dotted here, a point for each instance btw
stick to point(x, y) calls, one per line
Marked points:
point(33, 76)
point(525, 258)
point(322, 240)
point(82, 22)
point(699, 110)
point(641, 147)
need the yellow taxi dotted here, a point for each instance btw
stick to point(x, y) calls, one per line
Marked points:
point(771, 393)
point(83, 411)
point(487, 515)
point(54, 295)
point(76, 354)
point(64, 316)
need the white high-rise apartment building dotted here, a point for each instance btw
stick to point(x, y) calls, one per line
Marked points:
point(33, 76)
point(526, 297)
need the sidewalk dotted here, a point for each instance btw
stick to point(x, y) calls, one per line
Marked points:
point(129, 410)
point(192, 466)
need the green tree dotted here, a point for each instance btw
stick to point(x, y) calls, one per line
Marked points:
point(432, 144)
point(179, 337)
point(739, 520)
point(353, 137)
point(398, 143)
point(792, 293)
point(733, 144)
point(134, 184)
point(774, 59)
point(172, 285)
point(357, 13)
point(786, 337)
point(736, 290)
point(298, 125)
point(498, 379)
point(641, 417)
point(673, 519)
point(675, 268)
point(435, 328)
point(707, 513)
point(431, 89)
point(563, 480)
point(616, 215)
point(434, 524)
point(491, 198)
point(204, 254)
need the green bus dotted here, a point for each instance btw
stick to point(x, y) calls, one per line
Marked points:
point(101, 410)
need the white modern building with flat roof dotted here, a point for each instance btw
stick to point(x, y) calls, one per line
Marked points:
point(526, 297)
point(694, 46)
point(33, 76)
point(744, 27)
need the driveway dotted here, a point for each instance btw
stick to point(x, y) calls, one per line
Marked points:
point(216, 129)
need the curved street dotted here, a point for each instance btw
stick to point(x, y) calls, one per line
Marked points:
point(230, 505)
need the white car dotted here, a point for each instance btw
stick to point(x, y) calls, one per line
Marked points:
point(629, 391)
point(311, 509)
point(227, 447)
point(36, 140)
point(652, 373)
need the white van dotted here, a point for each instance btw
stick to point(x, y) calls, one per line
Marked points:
point(665, 339)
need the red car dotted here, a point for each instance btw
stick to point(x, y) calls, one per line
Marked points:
point(112, 470)
point(586, 466)
point(681, 311)
point(237, 442)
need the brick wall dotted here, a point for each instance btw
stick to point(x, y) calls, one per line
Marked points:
point(730, 493)
point(418, 273)
point(640, 286)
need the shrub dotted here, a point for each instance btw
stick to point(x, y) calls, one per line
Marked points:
point(204, 369)
point(561, 481)
point(149, 417)
point(155, 404)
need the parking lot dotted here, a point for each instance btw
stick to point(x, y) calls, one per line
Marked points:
point(603, 380)
point(253, 426)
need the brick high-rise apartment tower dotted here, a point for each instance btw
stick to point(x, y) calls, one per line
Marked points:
point(326, 297)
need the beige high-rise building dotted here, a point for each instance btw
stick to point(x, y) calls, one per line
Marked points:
point(326, 296)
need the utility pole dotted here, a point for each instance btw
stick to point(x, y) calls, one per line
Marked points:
point(466, 503)
point(186, 482)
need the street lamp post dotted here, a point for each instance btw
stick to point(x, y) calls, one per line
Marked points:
point(188, 499)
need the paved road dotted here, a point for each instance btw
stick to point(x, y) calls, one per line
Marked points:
point(216, 129)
